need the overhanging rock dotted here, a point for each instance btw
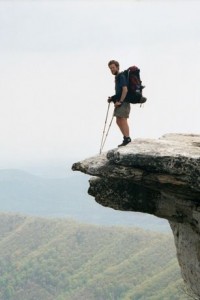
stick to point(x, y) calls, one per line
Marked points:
point(159, 177)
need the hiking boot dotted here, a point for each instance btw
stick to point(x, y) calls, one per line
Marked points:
point(125, 141)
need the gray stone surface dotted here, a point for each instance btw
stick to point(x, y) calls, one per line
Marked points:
point(159, 177)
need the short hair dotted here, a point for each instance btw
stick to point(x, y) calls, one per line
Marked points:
point(113, 62)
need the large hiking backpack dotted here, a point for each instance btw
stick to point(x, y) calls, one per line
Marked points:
point(135, 86)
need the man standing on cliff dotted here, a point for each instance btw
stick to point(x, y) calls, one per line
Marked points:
point(122, 108)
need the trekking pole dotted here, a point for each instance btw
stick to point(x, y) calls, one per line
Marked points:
point(107, 134)
point(104, 127)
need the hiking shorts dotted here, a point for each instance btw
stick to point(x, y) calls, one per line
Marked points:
point(123, 110)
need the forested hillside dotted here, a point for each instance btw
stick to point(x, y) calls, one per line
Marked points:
point(53, 259)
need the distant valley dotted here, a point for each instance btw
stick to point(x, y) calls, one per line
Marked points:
point(67, 197)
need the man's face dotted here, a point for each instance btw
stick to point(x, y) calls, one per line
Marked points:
point(114, 70)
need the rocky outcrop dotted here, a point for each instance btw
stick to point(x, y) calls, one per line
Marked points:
point(159, 177)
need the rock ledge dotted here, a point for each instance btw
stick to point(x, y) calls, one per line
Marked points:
point(159, 177)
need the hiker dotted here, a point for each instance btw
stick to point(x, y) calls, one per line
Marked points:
point(122, 108)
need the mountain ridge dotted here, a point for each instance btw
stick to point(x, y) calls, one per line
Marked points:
point(22, 192)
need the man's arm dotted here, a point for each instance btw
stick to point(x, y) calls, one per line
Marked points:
point(123, 96)
point(124, 93)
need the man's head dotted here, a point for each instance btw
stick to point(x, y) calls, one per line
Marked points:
point(114, 67)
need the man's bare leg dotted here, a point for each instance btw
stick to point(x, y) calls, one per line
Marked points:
point(123, 126)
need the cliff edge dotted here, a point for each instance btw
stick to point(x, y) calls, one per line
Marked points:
point(159, 177)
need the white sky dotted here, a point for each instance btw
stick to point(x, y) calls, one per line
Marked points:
point(54, 79)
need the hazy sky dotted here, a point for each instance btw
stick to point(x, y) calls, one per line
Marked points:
point(54, 79)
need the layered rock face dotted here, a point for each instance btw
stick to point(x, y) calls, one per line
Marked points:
point(159, 177)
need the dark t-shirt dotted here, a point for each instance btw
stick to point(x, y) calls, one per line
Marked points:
point(120, 82)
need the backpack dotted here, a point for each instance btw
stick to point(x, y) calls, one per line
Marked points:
point(135, 86)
